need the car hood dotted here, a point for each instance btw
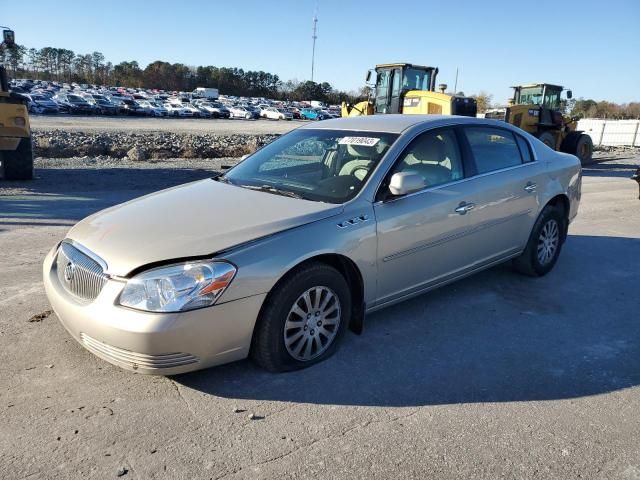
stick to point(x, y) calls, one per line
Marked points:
point(191, 220)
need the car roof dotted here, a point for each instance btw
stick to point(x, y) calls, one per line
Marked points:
point(396, 123)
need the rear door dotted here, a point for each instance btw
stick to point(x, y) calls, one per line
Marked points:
point(505, 191)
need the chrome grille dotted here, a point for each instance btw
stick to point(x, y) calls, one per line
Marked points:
point(135, 360)
point(78, 273)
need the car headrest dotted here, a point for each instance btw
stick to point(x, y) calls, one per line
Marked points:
point(429, 149)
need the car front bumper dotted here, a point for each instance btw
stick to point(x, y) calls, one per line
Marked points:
point(153, 343)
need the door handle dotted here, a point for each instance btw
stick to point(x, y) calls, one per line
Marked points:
point(530, 187)
point(465, 207)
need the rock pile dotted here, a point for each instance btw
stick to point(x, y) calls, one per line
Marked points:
point(147, 145)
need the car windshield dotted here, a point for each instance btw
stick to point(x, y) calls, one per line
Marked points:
point(321, 165)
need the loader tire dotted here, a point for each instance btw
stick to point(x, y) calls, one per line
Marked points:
point(584, 149)
point(548, 139)
point(18, 164)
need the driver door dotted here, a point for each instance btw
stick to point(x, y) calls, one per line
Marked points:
point(424, 237)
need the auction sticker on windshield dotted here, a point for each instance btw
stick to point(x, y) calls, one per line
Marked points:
point(364, 141)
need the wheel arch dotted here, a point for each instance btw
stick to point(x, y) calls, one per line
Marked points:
point(348, 269)
point(561, 201)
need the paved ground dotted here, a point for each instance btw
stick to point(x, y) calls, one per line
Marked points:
point(497, 376)
point(173, 125)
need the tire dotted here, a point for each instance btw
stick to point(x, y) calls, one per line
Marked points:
point(536, 260)
point(247, 116)
point(269, 347)
point(584, 149)
point(548, 139)
point(18, 164)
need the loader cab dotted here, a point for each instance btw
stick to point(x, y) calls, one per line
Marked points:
point(541, 94)
point(537, 107)
point(394, 80)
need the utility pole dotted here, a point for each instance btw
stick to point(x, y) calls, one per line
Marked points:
point(455, 85)
point(314, 37)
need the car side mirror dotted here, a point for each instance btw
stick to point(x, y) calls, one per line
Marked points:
point(569, 94)
point(368, 76)
point(402, 183)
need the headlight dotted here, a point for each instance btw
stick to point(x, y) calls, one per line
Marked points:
point(177, 288)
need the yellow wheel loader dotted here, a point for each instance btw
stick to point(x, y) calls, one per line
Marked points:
point(537, 108)
point(409, 89)
point(16, 156)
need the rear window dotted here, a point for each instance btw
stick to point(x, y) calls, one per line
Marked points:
point(493, 148)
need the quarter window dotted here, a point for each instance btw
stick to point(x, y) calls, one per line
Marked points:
point(525, 150)
point(493, 148)
point(433, 155)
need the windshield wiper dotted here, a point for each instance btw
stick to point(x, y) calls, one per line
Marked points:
point(274, 190)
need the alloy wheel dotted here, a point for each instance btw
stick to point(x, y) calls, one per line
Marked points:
point(312, 323)
point(548, 241)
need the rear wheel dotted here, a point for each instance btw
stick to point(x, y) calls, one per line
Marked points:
point(18, 164)
point(302, 320)
point(548, 139)
point(584, 148)
point(544, 245)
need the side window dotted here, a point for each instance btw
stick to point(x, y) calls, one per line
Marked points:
point(525, 150)
point(433, 155)
point(493, 148)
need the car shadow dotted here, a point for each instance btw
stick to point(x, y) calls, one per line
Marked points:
point(493, 337)
point(61, 196)
point(605, 169)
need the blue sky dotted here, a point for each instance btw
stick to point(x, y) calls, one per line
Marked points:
point(590, 46)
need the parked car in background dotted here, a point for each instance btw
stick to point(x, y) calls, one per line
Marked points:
point(41, 104)
point(105, 107)
point(72, 103)
point(195, 112)
point(176, 110)
point(276, 114)
point(295, 112)
point(217, 110)
point(312, 114)
point(241, 112)
point(255, 111)
point(159, 110)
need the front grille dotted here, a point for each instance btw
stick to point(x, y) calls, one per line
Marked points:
point(136, 360)
point(78, 273)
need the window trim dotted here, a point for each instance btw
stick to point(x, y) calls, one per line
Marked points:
point(380, 195)
point(445, 185)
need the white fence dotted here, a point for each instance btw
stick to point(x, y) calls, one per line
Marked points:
point(612, 132)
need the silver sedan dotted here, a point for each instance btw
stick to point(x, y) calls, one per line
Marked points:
point(282, 254)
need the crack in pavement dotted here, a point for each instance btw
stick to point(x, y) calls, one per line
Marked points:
point(361, 426)
point(185, 401)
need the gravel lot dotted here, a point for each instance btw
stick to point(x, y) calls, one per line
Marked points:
point(173, 125)
point(496, 376)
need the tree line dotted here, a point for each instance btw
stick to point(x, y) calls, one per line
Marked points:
point(63, 65)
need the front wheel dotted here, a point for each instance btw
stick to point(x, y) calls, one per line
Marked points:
point(544, 245)
point(548, 139)
point(302, 320)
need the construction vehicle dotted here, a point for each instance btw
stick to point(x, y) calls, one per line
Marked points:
point(537, 108)
point(409, 89)
point(16, 155)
